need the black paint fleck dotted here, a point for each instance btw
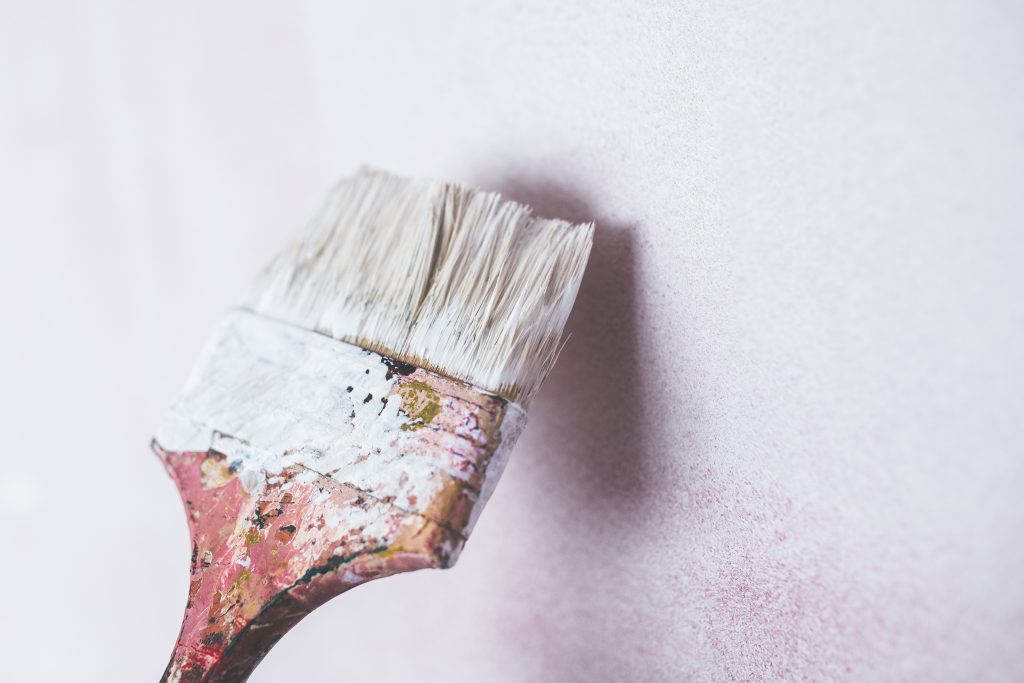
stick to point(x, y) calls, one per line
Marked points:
point(213, 639)
point(397, 367)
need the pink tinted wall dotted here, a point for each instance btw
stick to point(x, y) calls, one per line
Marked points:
point(784, 440)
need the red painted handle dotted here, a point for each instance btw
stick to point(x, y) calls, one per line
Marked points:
point(260, 563)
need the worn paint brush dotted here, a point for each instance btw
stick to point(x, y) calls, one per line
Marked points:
point(351, 419)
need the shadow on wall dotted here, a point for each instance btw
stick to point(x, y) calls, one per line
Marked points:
point(594, 477)
point(596, 387)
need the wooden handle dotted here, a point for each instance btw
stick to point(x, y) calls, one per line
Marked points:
point(261, 563)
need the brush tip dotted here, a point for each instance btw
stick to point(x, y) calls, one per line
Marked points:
point(434, 274)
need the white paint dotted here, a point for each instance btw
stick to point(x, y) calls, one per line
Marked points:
point(270, 395)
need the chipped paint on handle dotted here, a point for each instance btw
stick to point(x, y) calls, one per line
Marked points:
point(308, 466)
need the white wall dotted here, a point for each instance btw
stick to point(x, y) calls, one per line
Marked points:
point(784, 442)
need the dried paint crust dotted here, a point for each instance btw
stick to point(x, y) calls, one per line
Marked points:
point(366, 493)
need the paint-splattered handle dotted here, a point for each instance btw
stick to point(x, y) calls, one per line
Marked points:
point(262, 563)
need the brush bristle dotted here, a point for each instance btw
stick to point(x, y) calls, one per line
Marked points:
point(435, 275)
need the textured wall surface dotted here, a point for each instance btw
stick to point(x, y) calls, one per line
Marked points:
point(784, 442)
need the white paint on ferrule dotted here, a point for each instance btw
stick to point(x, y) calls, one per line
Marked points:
point(269, 395)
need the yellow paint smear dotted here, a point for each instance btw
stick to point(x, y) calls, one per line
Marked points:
point(421, 403)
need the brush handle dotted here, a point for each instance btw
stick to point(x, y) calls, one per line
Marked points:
point(262, 563)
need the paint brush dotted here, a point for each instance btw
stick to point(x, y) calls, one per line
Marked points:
point(350, 419)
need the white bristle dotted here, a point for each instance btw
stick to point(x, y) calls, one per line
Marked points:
point(440, 276)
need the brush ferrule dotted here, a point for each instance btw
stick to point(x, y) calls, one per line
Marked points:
point(270, 395)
